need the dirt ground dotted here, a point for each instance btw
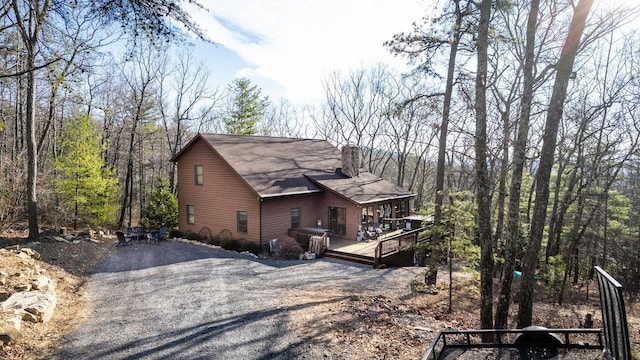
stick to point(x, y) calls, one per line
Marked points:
point(362, 325)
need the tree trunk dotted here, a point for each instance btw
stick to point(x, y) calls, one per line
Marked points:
point(554, 115)
point(502, 186)
point(483, 197)
point(128, 185)
point(442, 145)
point(446, 109)
point(32, 151)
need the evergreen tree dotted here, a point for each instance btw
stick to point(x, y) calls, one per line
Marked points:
point(162, 209)
point(85, 183)
point(245, 109)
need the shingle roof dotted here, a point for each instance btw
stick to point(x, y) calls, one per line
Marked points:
point(362, 189)
point(275, 166)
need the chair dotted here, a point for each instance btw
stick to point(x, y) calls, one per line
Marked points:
point(122, 239)
point(159, 235)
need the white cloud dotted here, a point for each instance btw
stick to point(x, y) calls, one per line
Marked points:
point(297, 43)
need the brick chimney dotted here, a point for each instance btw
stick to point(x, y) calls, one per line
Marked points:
point(351, 160)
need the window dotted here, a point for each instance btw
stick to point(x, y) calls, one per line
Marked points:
point(242, 221)
point(367, 217)
point(191, 214)
point(198, 174)
point(295, 218)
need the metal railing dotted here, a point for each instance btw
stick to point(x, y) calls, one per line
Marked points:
point(447, 342)
point(614, 316)
point(615, 332)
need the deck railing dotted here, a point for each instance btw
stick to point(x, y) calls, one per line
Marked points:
point(396, 243)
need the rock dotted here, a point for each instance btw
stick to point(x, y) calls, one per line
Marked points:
point(76, 242)
point(4, 295)
point(4, 273)
point(69, 238)
point(12, 324)
point(5, 338)
point(60, 239)
point(32, 253)
point(44, 284)
point(27, 316)
point(23, 287)
point(89, 233)
point(41, 305)
point(3, 281)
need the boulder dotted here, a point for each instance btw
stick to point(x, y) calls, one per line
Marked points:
point(40, 305)
point(12, 323)
point(44, 284)
point(30, 253)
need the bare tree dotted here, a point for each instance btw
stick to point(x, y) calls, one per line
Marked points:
point(483, 198)
point(564, 68)
point(520, 147)
point(141, 76)
point(30, 18)
point(354, 111)
point(184, 100)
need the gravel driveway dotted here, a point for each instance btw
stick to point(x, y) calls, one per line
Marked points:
point(177, 300)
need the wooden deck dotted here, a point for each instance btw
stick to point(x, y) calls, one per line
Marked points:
point(365, 248)
point(390, 248)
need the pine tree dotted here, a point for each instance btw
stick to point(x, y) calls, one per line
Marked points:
point(162, 209)
point(246, 107)
point(85, 183)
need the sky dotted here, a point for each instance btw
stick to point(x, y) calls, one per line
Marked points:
point(287, 47)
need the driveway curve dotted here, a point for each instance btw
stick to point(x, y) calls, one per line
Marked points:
point(177, 300)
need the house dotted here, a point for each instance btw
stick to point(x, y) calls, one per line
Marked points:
point(260, 187)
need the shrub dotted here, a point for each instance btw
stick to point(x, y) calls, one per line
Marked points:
point(287, 248)
point(215, 240)
point(175, 233)
point(249, 246)
point(190, 235)
point(230, 244)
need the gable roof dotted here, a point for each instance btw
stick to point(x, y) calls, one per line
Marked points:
point(276, 166)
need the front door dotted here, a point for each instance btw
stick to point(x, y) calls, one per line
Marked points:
point(338, 220)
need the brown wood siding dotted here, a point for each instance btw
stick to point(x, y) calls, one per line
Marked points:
point(276, 213)
point(354, 213)
point(218, 199)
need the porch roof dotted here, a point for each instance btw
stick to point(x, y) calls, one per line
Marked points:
point(366, 188)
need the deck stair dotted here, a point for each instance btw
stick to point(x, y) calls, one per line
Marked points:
point(357, 258)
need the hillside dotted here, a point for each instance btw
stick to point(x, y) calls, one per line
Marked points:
point(348, 325)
